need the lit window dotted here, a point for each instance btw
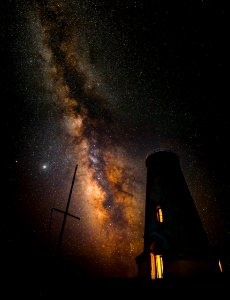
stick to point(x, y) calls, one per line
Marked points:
point(156, 266)
point(220, 266)
point(159, 214)
point(153, 266)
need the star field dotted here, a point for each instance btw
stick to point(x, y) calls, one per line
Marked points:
point(103, 85)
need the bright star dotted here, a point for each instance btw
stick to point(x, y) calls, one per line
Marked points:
point(44, 167)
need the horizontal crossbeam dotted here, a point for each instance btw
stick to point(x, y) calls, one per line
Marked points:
point(65, 213)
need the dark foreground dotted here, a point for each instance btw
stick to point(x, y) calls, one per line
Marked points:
point(65, 282)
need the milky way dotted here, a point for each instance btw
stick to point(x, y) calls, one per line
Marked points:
point(105, 85)
point(109, 200)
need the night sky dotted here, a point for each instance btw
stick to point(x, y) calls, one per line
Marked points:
point(102, 84)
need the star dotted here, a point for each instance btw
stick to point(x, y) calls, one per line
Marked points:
point(44, 167)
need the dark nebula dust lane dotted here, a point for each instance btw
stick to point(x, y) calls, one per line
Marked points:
point(103, 84)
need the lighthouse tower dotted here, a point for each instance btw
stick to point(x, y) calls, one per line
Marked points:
point(175, 242)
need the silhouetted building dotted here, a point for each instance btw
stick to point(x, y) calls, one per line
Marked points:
point(175, 242)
